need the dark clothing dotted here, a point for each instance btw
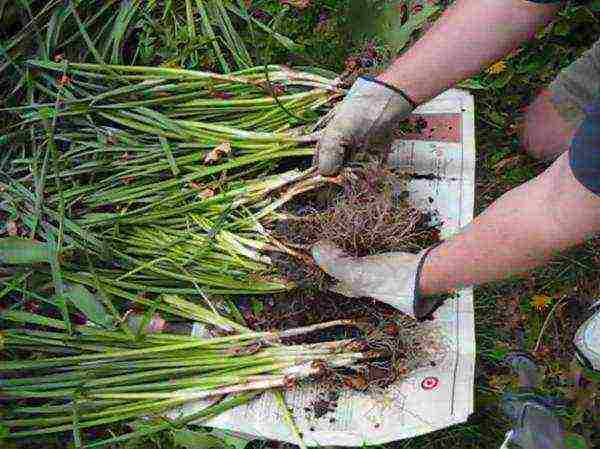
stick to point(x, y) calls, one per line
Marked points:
point(584, 154)
point(576, 96)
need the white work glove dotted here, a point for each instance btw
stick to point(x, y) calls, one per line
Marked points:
point(371, 109)
point(391, 278)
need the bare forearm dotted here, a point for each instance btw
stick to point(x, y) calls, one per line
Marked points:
point(520, 231)
point(469, 36)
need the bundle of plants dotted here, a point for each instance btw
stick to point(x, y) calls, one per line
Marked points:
point(183, 105)
point(406, 344)
point(162, 177)
point(365, 210)
point(101, 375)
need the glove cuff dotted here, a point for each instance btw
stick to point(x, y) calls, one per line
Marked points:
point(399, 91)
point(422, 308)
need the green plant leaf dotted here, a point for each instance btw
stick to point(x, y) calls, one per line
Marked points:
point(496, 117)
point(498, 354)
point(561, 28)
point(502, 80)
point(256, 306)
point(231, 440)
point(575, 441)
point(188, 439)
point(473, 84)
point(88, 304)
point(18, 251)
point(4, 432)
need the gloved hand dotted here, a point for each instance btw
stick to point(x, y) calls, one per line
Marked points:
point(391, 278)
point(369, 109)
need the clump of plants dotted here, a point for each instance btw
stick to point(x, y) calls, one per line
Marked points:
point(145, 183)
point(102, 372)
point(163, 177)
point(97, 375)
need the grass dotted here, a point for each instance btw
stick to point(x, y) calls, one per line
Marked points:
point(505, 317)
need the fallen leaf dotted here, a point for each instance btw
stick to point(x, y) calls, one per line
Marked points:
point(496, 68)
point(499, 382)
point(300, 4)
point(391, 329)
point(507, 162)
point(12, 229)
point(351, 63)
point(206, 193)
point(540, 302)
point(64, 80)
point(127, 179)
point(215, 154)
point(356, 383)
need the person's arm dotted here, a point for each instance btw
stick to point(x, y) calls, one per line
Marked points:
point(469, 36)
point(521, 230)
point(527, 225)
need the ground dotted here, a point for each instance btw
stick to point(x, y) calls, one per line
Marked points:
point(539, 312)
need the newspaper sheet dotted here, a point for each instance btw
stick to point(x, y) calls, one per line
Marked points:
point(442, 156)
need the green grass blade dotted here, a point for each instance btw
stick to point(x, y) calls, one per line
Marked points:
point(169, 154)
point(208, 31)
point(84, 33)
point(19, 251)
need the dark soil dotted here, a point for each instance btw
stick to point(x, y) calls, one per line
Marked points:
point(325, 402)
point(403, 342)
